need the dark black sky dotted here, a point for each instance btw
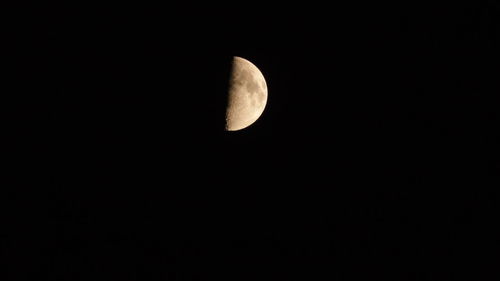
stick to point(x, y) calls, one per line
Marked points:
point(376, 157)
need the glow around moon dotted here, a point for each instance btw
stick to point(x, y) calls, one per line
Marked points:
point(247, 96)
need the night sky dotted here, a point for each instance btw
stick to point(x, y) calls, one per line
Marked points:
point(376, 157)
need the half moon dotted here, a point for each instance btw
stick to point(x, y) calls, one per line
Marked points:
point(247, 96)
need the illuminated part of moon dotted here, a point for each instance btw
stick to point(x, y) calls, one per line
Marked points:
point(247, 96)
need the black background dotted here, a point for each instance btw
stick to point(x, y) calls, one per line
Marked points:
point(376, 156)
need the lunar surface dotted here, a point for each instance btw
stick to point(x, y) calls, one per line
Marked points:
point(247, 96)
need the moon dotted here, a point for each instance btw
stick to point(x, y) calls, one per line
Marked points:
point(247, 95)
